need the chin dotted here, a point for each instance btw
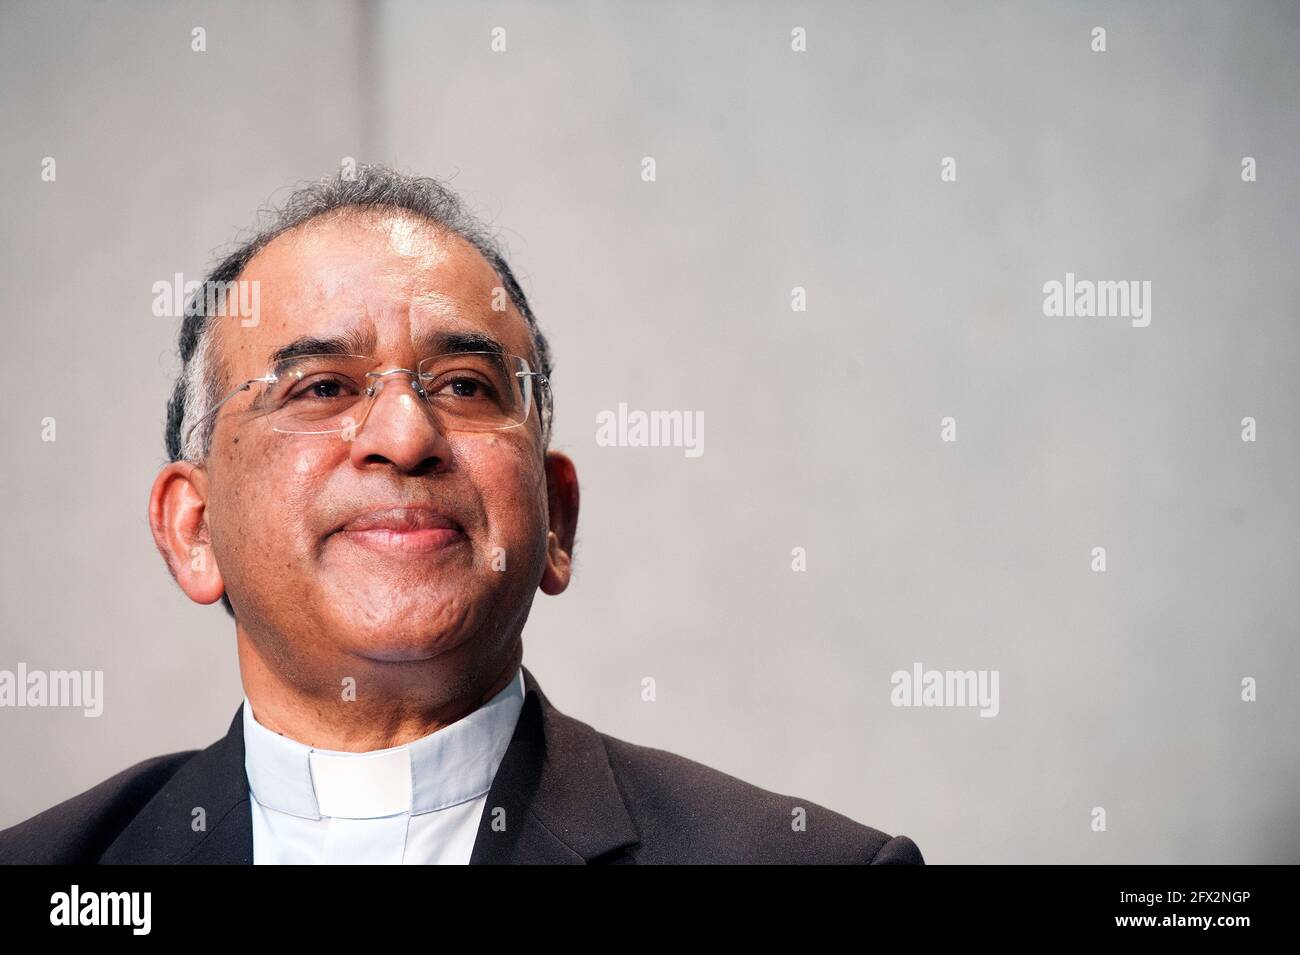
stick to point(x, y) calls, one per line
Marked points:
point(408, 623)
point(402, 642)
point(406, 653)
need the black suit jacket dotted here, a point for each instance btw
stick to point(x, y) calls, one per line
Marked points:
point(570, 795)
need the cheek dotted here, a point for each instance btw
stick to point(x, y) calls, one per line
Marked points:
point(264, 493)
point(512, 486)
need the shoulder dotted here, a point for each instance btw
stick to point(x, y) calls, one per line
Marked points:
point(688, 812)
point(80, 829)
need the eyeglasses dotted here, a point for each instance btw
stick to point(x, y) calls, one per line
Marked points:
point(333, 394)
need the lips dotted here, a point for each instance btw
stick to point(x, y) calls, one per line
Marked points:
point(403, 529)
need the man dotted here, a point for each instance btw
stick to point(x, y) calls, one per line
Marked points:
point(360, 471)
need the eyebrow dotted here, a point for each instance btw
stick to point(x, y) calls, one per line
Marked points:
point(363, 343)
point(440, 343)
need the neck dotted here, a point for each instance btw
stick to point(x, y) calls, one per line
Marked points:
point(392, 703)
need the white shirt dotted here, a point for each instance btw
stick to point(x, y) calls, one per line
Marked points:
point(416, 804)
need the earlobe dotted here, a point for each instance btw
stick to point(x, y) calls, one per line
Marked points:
point(562, 507)
point(178, 519)
point(555, 578)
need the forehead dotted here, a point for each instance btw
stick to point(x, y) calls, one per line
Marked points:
point(390, 280)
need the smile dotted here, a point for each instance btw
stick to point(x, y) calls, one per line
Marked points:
point(402, 530)
point(387, 540)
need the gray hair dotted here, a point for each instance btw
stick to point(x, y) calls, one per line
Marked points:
point(200, 382)
point(202, 377)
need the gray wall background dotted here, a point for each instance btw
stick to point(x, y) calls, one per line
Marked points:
point(775, 170)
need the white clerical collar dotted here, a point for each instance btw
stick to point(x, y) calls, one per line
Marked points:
point(449, 766)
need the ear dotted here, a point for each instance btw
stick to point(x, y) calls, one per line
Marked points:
point(562, 500)
point(178, 518)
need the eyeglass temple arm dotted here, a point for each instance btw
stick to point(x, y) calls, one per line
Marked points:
point(234, 391)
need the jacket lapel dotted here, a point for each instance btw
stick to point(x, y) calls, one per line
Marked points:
point(553, 800)
point(215, 782)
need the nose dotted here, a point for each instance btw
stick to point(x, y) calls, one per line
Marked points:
point(400, 429)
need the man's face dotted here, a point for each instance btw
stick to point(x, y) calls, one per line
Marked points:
point(284, 509)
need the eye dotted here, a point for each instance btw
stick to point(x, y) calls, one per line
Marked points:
point(464, 387)
point(324, 388)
